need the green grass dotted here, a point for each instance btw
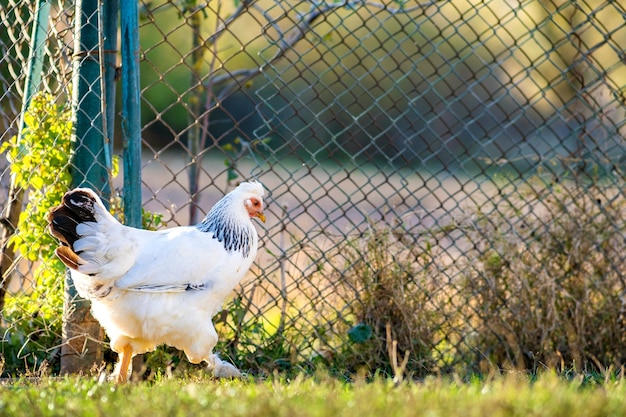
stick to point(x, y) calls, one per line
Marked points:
point(513, 395)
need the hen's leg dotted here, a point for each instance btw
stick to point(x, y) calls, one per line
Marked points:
point(123, 364)
point(202, 350)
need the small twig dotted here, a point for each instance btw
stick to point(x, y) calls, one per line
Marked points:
point(392, 349)
point(243, 6)
point(283, 278)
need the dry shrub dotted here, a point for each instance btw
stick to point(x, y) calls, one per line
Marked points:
point(544, 279)
point(385, 277)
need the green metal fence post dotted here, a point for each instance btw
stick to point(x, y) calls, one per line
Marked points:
point(131, 115)
point(110, 12)
point(82, 334)
point(32, 84)
point(89, 165)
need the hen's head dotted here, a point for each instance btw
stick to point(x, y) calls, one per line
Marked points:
point(236, 208)
point(230, 219)
point(249, 195)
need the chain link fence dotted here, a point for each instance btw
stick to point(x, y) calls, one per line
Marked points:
point(445, 178)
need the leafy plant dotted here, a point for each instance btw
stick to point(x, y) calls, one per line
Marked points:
point(235, 151)
point(39, 162)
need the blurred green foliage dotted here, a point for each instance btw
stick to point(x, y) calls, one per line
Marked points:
point(39, 160)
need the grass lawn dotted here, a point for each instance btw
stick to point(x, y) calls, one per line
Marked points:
point(512, 395)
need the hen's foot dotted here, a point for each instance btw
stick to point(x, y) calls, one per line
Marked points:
point(223, 369)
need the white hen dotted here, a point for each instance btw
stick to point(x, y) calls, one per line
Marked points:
point(150, 288)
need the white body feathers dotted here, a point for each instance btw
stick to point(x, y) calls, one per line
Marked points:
point(149, 288)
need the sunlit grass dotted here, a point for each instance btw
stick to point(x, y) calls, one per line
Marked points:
point(510, 395)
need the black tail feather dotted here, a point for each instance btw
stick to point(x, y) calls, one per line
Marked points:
point(81, 202)
point(77, 207)
point(63, 224)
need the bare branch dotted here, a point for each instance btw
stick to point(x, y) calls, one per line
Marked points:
point(243, 6)
point(318, 9)
point(321, 9)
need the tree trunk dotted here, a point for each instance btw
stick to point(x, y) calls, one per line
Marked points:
point(9, 223)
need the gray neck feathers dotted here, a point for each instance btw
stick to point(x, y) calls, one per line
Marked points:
point(228, 228)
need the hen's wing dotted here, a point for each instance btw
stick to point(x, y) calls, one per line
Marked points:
point(178, 259)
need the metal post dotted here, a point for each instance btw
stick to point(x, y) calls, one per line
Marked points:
point(131, 114)
point(89, 165)
point(82, 334)
point(110, 11)
point(32, 85)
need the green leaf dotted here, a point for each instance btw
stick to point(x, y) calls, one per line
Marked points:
point(360, 333)
point(232, 175)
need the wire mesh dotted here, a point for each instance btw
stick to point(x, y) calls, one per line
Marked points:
point(448, 175)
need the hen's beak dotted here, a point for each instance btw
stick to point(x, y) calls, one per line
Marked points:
point(260, 216)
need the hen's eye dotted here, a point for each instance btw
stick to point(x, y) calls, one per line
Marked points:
point(253, 203)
